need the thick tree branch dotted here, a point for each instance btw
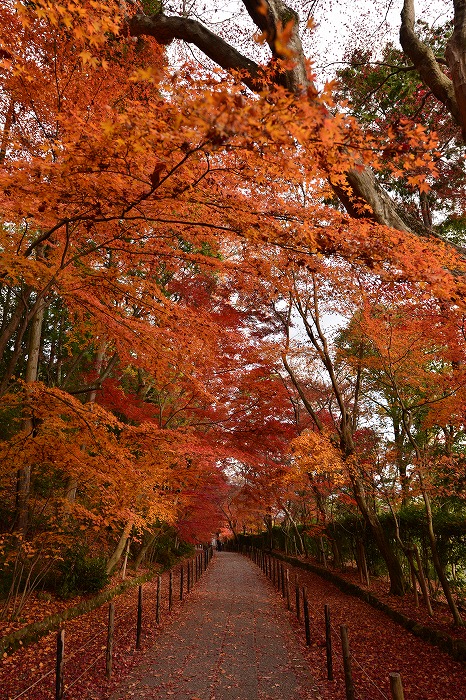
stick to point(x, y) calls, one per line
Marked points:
point(427, 65)
point(456, 59)
point(272, 17)
point(165, 29)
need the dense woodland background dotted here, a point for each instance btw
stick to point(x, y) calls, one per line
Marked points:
point(231, 301)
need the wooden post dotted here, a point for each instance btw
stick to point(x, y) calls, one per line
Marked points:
point(188, 577)
point(181, 582)
point(59, 670)
point(328, 643)
point(298, 597)
point(170, 591)
point(396, 687)
point(287, 589)
point(139, 620)
point(110, 630)
point(307, 626)
point(347, 663)
point(282, 573)
point(157, 606)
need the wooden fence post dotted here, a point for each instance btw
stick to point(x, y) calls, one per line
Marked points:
point(287, 588)
point(307, 626)
point(110, 630)
point(59, 670)
point(157, 606)
point(188, 577)
point(347, 663)
point(297, 598)
point(328, 643)
point(170, 591)
point(181, 581)
point(139, 620)
point(396, 687)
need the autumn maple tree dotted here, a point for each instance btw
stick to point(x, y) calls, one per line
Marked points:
point(164, 230)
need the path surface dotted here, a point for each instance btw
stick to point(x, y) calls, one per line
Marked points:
point(232, 641)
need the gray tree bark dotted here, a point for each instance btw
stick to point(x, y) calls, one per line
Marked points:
point(362, 184)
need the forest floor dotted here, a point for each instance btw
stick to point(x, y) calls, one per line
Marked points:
point(378, 645)
point(379, 587)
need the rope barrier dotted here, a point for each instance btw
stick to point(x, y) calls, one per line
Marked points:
point(369, 678)
point(353, 658)
point(92, 639)
point(70, 685)
point(151, 588)
point(30, 687)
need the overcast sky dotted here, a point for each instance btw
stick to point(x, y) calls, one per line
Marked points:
point(340, 24)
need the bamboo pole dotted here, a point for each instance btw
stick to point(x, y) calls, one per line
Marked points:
point(110, 631)
point(396, 687)
point(328, 643)
point(347, 663)
point(139, 619)
point(59, 669)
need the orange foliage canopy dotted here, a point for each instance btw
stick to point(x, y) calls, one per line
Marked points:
point(150, 203)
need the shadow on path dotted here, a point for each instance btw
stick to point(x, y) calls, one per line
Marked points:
point(232, 641)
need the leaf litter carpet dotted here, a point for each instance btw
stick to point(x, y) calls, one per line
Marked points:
point(232, 641)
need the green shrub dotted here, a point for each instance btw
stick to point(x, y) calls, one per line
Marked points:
point(80, 573)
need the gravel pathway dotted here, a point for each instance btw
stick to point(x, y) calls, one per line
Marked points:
point(232, 641)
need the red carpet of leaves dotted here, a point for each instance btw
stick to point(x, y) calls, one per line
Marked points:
point(378, 647)
point(85, 645)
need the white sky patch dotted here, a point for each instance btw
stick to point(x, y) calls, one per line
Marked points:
point(341, 26)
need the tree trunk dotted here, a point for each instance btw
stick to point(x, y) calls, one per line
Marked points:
point(361, 554)
point(144, 549)
point(120, 548)
point(436, 559)
point(72, 483)
point(295, 529)
point(394, 569)
point(422, 580)
point(32, 368)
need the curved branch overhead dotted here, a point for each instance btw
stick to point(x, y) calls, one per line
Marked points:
point(426, 63)
point(456, 59)
point(272, 17)
point(165, 29)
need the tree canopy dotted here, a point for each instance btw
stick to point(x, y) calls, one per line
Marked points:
point(227, 295)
